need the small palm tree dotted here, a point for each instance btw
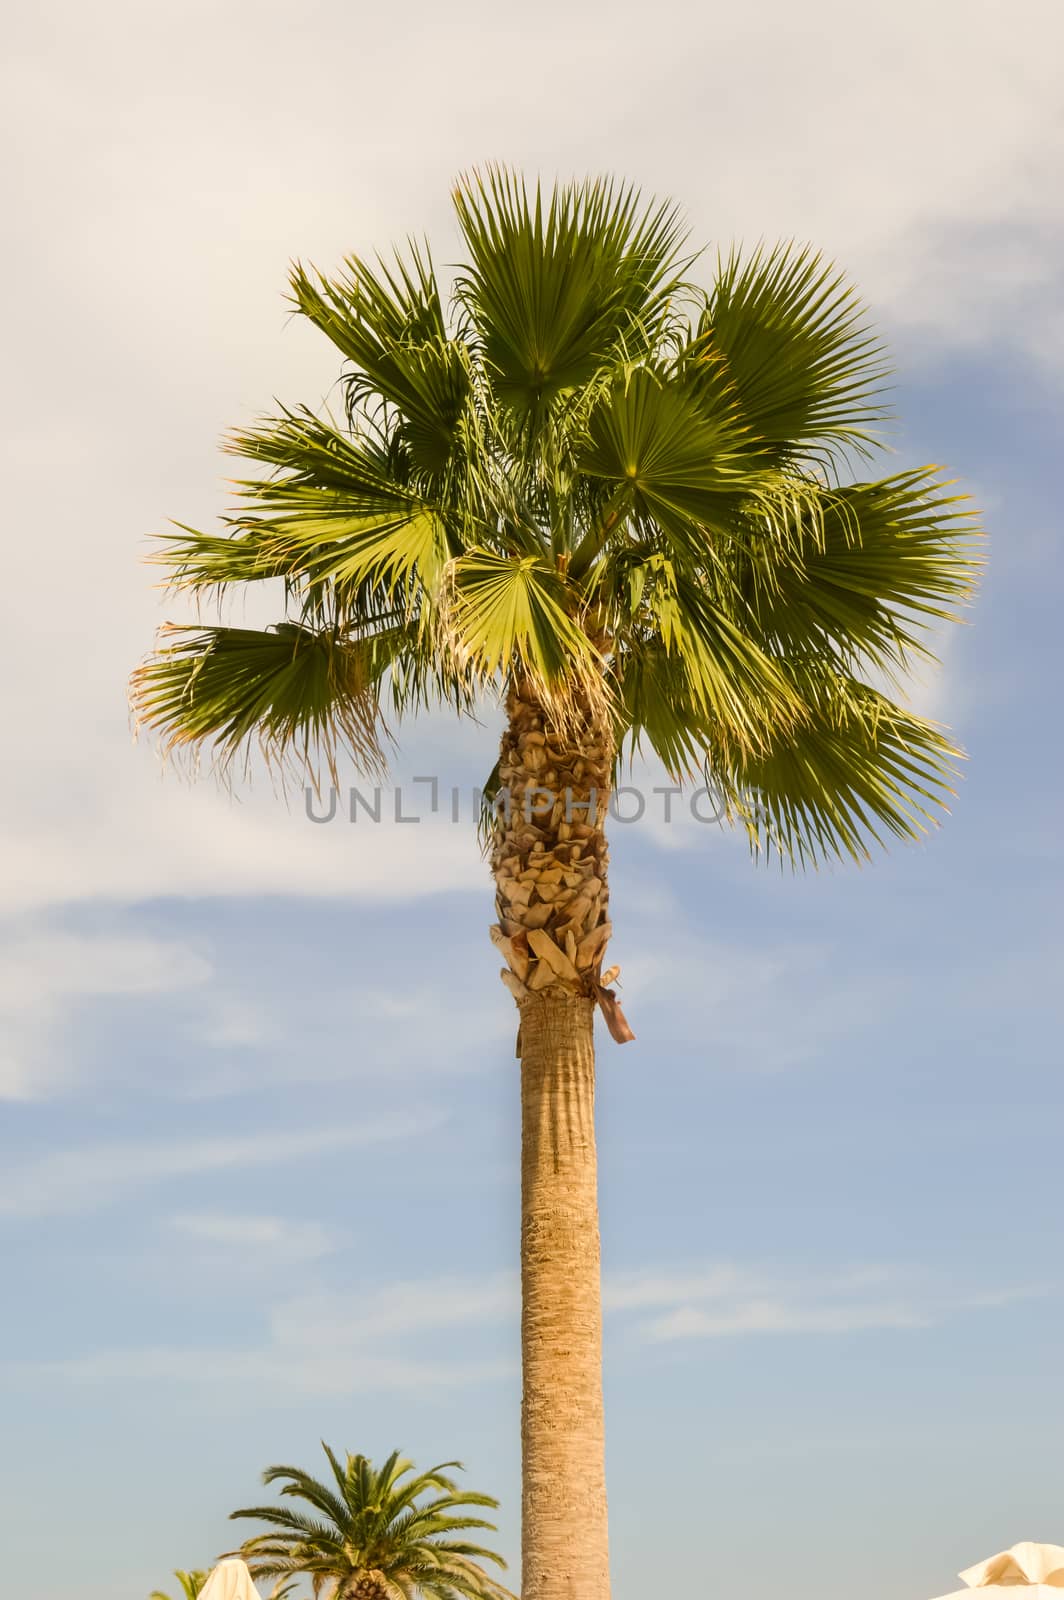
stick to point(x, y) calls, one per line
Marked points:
point(190, 1584)
point(627, 507)
point(374, 1536)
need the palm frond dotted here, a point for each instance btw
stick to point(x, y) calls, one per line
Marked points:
point(389, 322)
point(508, 612)
point(323, 1534)
point(651, 709)
point(318, 455)
point(877, 564)
point(304, 1486)
point(287, 689)
point(665, 463)
point(560, 284)
point(785, 339)
point(334, 515)
point(857, 770)
point(709, 665)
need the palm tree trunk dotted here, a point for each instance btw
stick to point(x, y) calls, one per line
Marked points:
point(550, 861)
point(564, 1538)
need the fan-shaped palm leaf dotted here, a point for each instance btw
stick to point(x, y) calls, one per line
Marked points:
point(784, 344)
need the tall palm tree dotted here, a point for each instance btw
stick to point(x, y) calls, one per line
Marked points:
point(190, 1584)
point(631, 509)
point(367, 1537)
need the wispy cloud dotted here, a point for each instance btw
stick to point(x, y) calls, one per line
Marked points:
point(255, 1036)
point(42, 979)
point(386, 1337)
point(275, 1241)
point(340, 1372)
point(79, 1180)
point(445, 1331)
point(730, 1301)
point(767, 1006)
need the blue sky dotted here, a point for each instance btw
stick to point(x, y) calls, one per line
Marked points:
point(258, 1116)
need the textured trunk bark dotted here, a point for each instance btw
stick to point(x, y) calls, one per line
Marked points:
point(565, 1553)
point(550, 861)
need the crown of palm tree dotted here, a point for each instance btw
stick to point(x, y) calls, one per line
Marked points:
point(598, 479)
point(368, 1535)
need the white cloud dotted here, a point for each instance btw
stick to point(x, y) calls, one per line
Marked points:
point(42, 979)
point(84, 1179)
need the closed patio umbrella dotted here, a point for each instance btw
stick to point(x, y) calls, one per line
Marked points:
point(231, 1580)
point(1036, 1568)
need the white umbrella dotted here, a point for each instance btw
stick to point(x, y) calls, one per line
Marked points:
point(231, 1580)
point(1036, 1568)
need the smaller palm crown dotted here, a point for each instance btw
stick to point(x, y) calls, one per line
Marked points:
point(389, 1533)
point(592, 479)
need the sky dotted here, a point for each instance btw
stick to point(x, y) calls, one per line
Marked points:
point(258, 1099)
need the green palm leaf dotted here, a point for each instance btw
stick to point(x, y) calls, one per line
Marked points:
point(290, 689)
point(559, 284)
point(879, 562)
point(510, 611)
point(390, 324)
point(857, 769)
point(784, 342)
point(649, 439)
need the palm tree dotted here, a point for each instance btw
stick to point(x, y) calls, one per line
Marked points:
point(190, 1584)
point(368, 1538)
point(632, 510)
